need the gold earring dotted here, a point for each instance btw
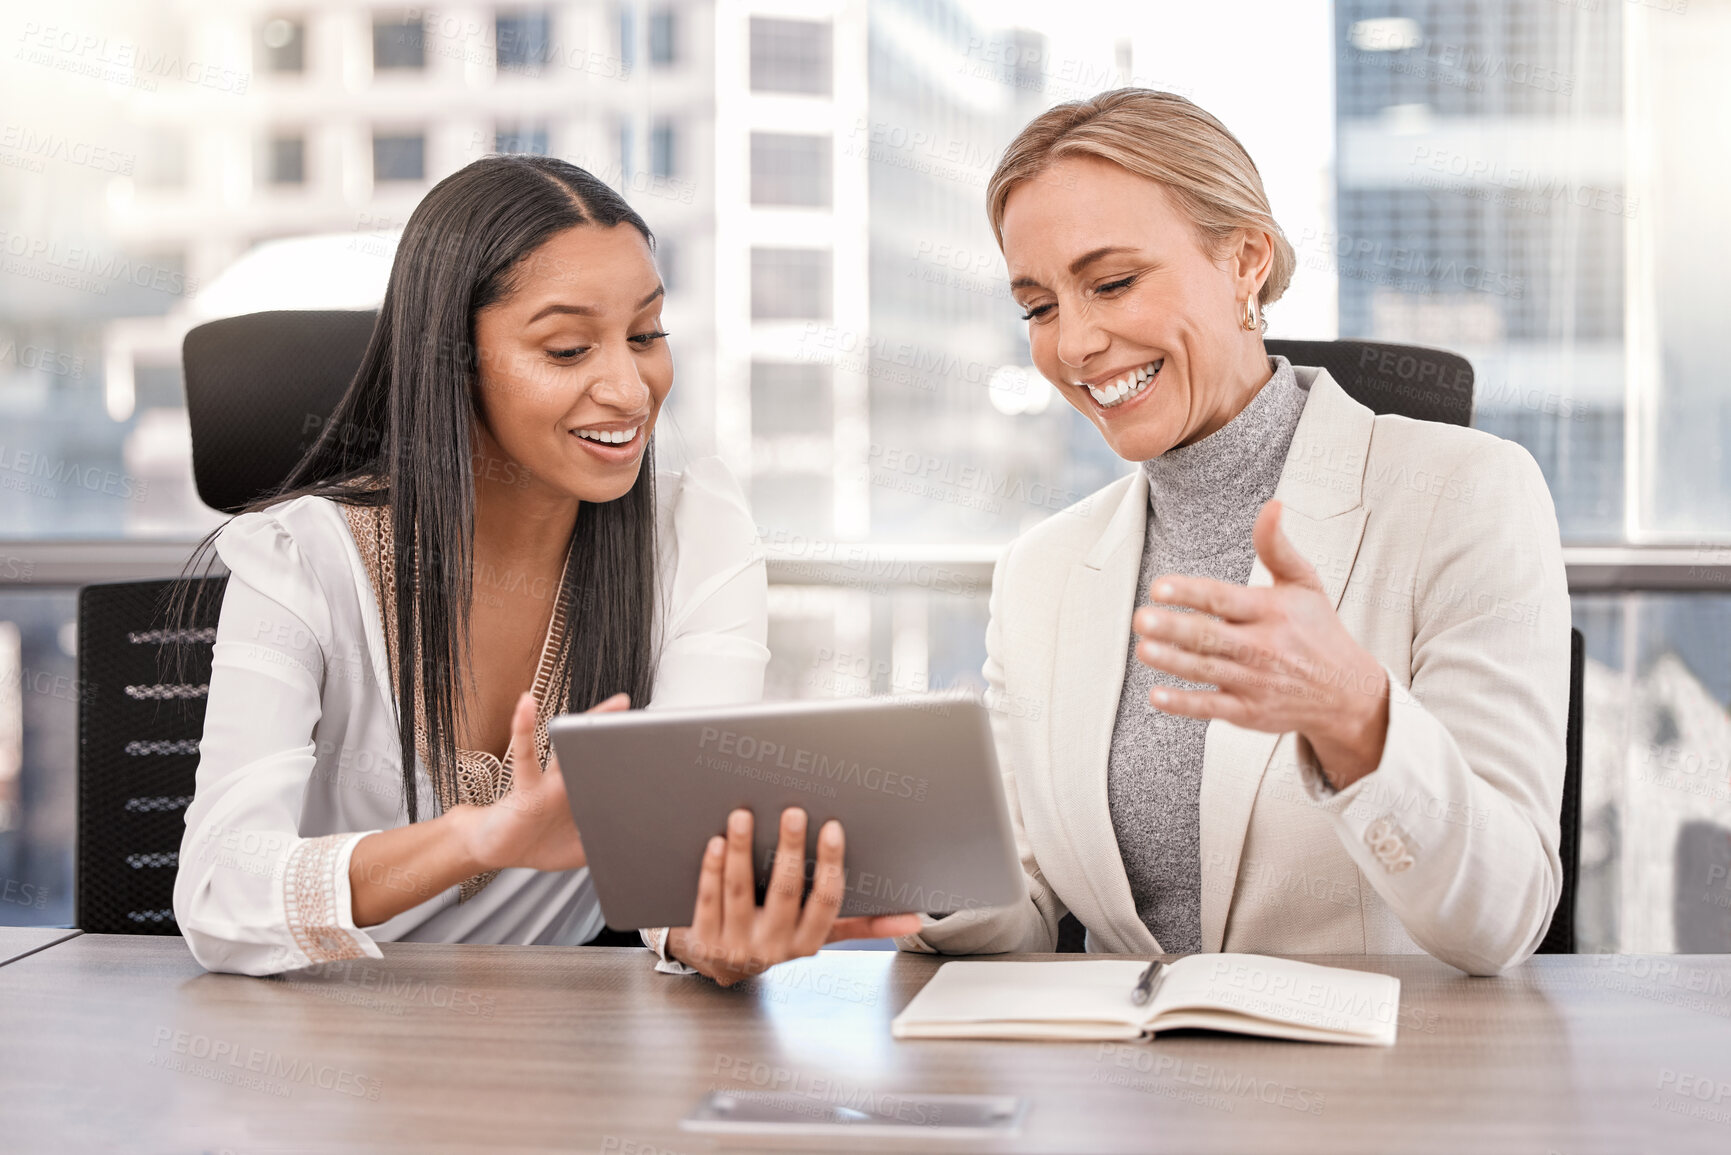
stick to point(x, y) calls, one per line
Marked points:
point(1250, 312)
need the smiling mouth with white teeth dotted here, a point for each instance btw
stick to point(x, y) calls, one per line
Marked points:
point(609, 436)
point(1117, 392)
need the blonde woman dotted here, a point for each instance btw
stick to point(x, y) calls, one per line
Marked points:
point(1304, 670)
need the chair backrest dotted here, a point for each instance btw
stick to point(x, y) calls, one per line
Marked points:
point(1408, 380)
point(1560, 938)
point(137, 753)
point(259, 389)
point(295, 366)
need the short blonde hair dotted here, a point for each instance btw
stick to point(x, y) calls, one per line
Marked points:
point(1167, 139)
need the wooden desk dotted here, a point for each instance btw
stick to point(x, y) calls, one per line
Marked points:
point(18, 941)
point(117, 1043)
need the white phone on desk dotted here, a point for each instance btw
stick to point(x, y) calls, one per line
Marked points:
point(917, 1118)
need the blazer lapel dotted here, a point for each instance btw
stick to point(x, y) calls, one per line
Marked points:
point(1323, 515)
point(1088, 675)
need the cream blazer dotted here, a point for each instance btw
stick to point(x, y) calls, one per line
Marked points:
point(1438, 546)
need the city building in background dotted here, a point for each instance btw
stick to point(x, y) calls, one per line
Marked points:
point(1482, 208)
point(1498, 196)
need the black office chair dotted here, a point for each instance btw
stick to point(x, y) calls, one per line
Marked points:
point(1433, 385)
point(1405, 380)
point(137, 753)
point(258, 390)
point(1560, 938)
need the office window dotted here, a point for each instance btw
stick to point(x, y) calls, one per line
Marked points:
point(1524, 182)
point(399, 43)
point(790, 56)
point(525, 40)
point(521, 137)
point(663, 37)
point(790, 398)
point(285, 159)
point(668, 254)
point(663, 151)
point(794, 503)
point(627, 37)
point(790, 169)
point(282, 45)
point(161, 159)
point(399, 156)
point(790, 284)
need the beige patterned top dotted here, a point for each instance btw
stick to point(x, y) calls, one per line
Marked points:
point(481, 778)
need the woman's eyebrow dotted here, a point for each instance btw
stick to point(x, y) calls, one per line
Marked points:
point(590, 311)
point(1093, 255)
point(1076, 266)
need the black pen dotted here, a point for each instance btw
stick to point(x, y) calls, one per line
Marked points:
point(1146, 984)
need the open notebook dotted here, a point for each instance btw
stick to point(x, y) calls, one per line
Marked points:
point(1090, 999)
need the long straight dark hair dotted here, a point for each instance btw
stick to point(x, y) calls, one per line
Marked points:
point(406, 419)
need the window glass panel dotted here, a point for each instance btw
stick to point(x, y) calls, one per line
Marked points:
point(663, 151)
point(627, 36)
point(399, 44)
point(282, 44)
point(399, 156)
point(1482, 207)
point(39, 693)
point(664, 37)
point(525, 41)
point(790, 398)
point(286, 160)
point(790, 283)
point(790, 56)
point(162, 161)
point(790, 169)
point(1656, 789)
point(521, 136)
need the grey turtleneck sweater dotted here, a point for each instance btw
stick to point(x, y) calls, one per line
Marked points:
point(1203, 499)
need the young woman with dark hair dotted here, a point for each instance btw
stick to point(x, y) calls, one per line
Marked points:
point(480, 514)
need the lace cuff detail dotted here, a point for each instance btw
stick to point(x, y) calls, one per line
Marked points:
point(311, 905)
point(656, 940)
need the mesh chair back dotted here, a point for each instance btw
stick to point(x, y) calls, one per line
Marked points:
point(137, 753)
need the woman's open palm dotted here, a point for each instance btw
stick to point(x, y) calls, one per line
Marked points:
point(531, 825)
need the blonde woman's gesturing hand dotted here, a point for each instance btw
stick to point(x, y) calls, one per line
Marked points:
point(1277, 658)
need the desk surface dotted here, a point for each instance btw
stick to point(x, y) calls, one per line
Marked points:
point(18, 941)
point(120, 1043)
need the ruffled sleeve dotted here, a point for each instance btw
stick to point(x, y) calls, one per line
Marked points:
point(252, 896)
point(715, 625)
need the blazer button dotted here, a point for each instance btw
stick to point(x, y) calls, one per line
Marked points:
point(1386, 842)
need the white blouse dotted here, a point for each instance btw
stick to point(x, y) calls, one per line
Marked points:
point(299, 759)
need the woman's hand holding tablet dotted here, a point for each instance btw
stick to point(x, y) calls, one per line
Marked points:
point(393, 870)
point(531, 825)
point(732, 938)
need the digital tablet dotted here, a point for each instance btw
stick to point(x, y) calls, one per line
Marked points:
point(913, 780)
